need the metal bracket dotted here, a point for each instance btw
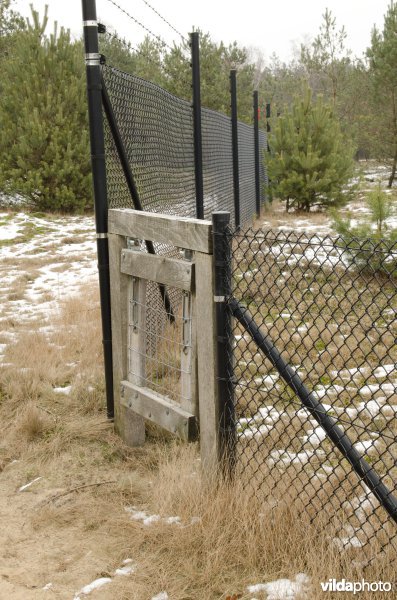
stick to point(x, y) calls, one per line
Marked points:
point(92, 59)
point(186, 254)
point(133, 243)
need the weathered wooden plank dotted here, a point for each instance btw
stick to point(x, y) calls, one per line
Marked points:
point(189, 390)
point(206, 365)
point(194, 234)
point(130, 426)
point(137, 330)
point(169, 271)
point(160, 410)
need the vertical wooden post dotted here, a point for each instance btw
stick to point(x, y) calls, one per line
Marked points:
point(128, 425)
point(189, 393)
point(207, 364)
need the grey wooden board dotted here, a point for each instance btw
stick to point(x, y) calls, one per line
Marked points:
point(160, 410)
point(188, 381)
point(130, 426)
point(137, 332)
point(193, 234)
point(169, 271)
point(206, 364)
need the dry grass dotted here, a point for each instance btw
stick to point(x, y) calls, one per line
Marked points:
point(66, 532)
point(274, 215)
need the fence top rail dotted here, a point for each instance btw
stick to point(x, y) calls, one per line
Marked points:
point(183, 232)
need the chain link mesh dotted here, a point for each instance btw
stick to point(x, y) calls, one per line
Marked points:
point(217, 162)
point(262, 170)
point(246, 159)
point(329, 307)
point(157, 131)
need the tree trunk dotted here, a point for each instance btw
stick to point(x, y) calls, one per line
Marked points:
point(394, 166)
point(393, 169)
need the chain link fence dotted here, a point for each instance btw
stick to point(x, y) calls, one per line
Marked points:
point(328, 307)
point(157, 131)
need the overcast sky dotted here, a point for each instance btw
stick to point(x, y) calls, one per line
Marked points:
point(275, 26)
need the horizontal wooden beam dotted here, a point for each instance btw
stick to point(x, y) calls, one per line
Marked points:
point(193, 234)
point(160, 410)
point(169, 271)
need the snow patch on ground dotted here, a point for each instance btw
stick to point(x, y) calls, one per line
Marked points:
point(94, 585)
point(127, 569)
point(349, 539)
point(141, 515)
point(63, 390)
point(282, 589)
point(9, 231)
point(44, 260)
point(28, 485)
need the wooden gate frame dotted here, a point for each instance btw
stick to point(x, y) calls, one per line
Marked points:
point(129, 271)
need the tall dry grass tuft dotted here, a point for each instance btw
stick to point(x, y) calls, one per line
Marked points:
point(228, 538)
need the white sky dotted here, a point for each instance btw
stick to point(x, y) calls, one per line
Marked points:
point(270, 26)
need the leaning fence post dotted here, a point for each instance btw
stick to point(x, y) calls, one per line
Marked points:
point(257, 155)
point(93, 74)
point(198, 147)
point(236, 175)
point(222, 292)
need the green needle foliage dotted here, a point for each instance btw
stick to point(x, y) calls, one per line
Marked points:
point(371, 243)
point(382, 57)
point(44, 146)
point(311, 163)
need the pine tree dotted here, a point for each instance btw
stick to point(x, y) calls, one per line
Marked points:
point(145, 61)
point(216, 61)
point(310, 163)
point(10, 22)
point(371, 244)
point(44, 147)
point(327, 58)
point(382, 60)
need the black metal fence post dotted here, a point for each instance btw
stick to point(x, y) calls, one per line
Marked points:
point(257, 155)
point(222, 265)
point(198, 145)
point(236, 175)
point(268, 114)
point(93, 74)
